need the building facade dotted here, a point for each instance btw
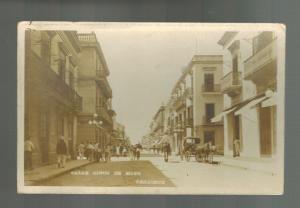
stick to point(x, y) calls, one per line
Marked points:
point(207, 99)
point(249, 87)
point(52, 102)
point(195, 99)
point(96, 119)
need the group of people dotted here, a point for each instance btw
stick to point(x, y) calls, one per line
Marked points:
point(135, 151)
point(61, 151)
point(90, 150)
point(94, 152)
point(120, 151)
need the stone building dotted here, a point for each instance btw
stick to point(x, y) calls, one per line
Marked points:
point(96, 119)
point(52, 103)
point(195, 99)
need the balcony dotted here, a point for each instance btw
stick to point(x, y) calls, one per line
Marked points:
point(189, 122)
point(262, 65)
point(40, 73)
point(213, 89)
point(188, 93)
point(179, 103)
point(87, 37)
point(101, 74)
point(103, 84)
point(207, 121)
point(231, 84)
point(104, 114)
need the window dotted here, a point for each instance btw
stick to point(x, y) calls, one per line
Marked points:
point(209, 111)
point(209, 82)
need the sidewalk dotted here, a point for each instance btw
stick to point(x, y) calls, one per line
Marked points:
point(263, 165)
point(50, 171)
point(217, 178)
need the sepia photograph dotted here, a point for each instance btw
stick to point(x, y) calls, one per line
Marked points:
point(150, 108)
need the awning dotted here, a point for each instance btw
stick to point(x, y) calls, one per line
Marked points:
point(250, 105)
point(219, 117)
point(165, 138)
point(271, 101)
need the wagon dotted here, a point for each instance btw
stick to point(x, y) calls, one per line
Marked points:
point(190, 146)
point(203, 152)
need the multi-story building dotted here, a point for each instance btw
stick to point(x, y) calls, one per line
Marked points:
point(180, 119)
point(249, 87)
point(207, 98)
point(52, 103)
point(119, 134)
point(95, 120)
point(195, 99)
point(157, 125)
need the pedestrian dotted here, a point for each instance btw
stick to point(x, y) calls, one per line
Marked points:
point(96, 152)
point(86, 150)
point(133, 152)
point(81, 151)
point(118, 151)
point(138, 151)
point(124, 152)
point(121, 150)
point(28, 149)
point(90, 148)
point(61, 151)
point(236, 148)
point(100, 153)
point(166, 150)
point(107, 153)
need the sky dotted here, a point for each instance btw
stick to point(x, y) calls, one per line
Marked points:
point(145, 64)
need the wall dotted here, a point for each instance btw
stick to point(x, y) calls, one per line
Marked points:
point(87, 90)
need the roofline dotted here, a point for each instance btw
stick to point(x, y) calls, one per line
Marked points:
point(227, 37)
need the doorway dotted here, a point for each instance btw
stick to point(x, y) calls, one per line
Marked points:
point(265, 131)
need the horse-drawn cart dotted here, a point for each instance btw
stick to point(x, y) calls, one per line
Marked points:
point(203, 152)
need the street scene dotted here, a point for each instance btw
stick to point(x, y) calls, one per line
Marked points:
point(154, 106)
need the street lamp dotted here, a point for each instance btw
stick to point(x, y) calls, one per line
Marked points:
point(97, 122)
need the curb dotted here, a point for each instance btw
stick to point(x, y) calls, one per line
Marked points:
point(38, 181)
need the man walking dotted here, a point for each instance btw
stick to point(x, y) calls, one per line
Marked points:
point(61, 151)
point(28, 148)
point(166, 150)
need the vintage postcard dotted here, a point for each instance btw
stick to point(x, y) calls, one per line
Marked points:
point(150, 108)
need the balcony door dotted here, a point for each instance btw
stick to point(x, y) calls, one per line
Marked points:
point(209, 82)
